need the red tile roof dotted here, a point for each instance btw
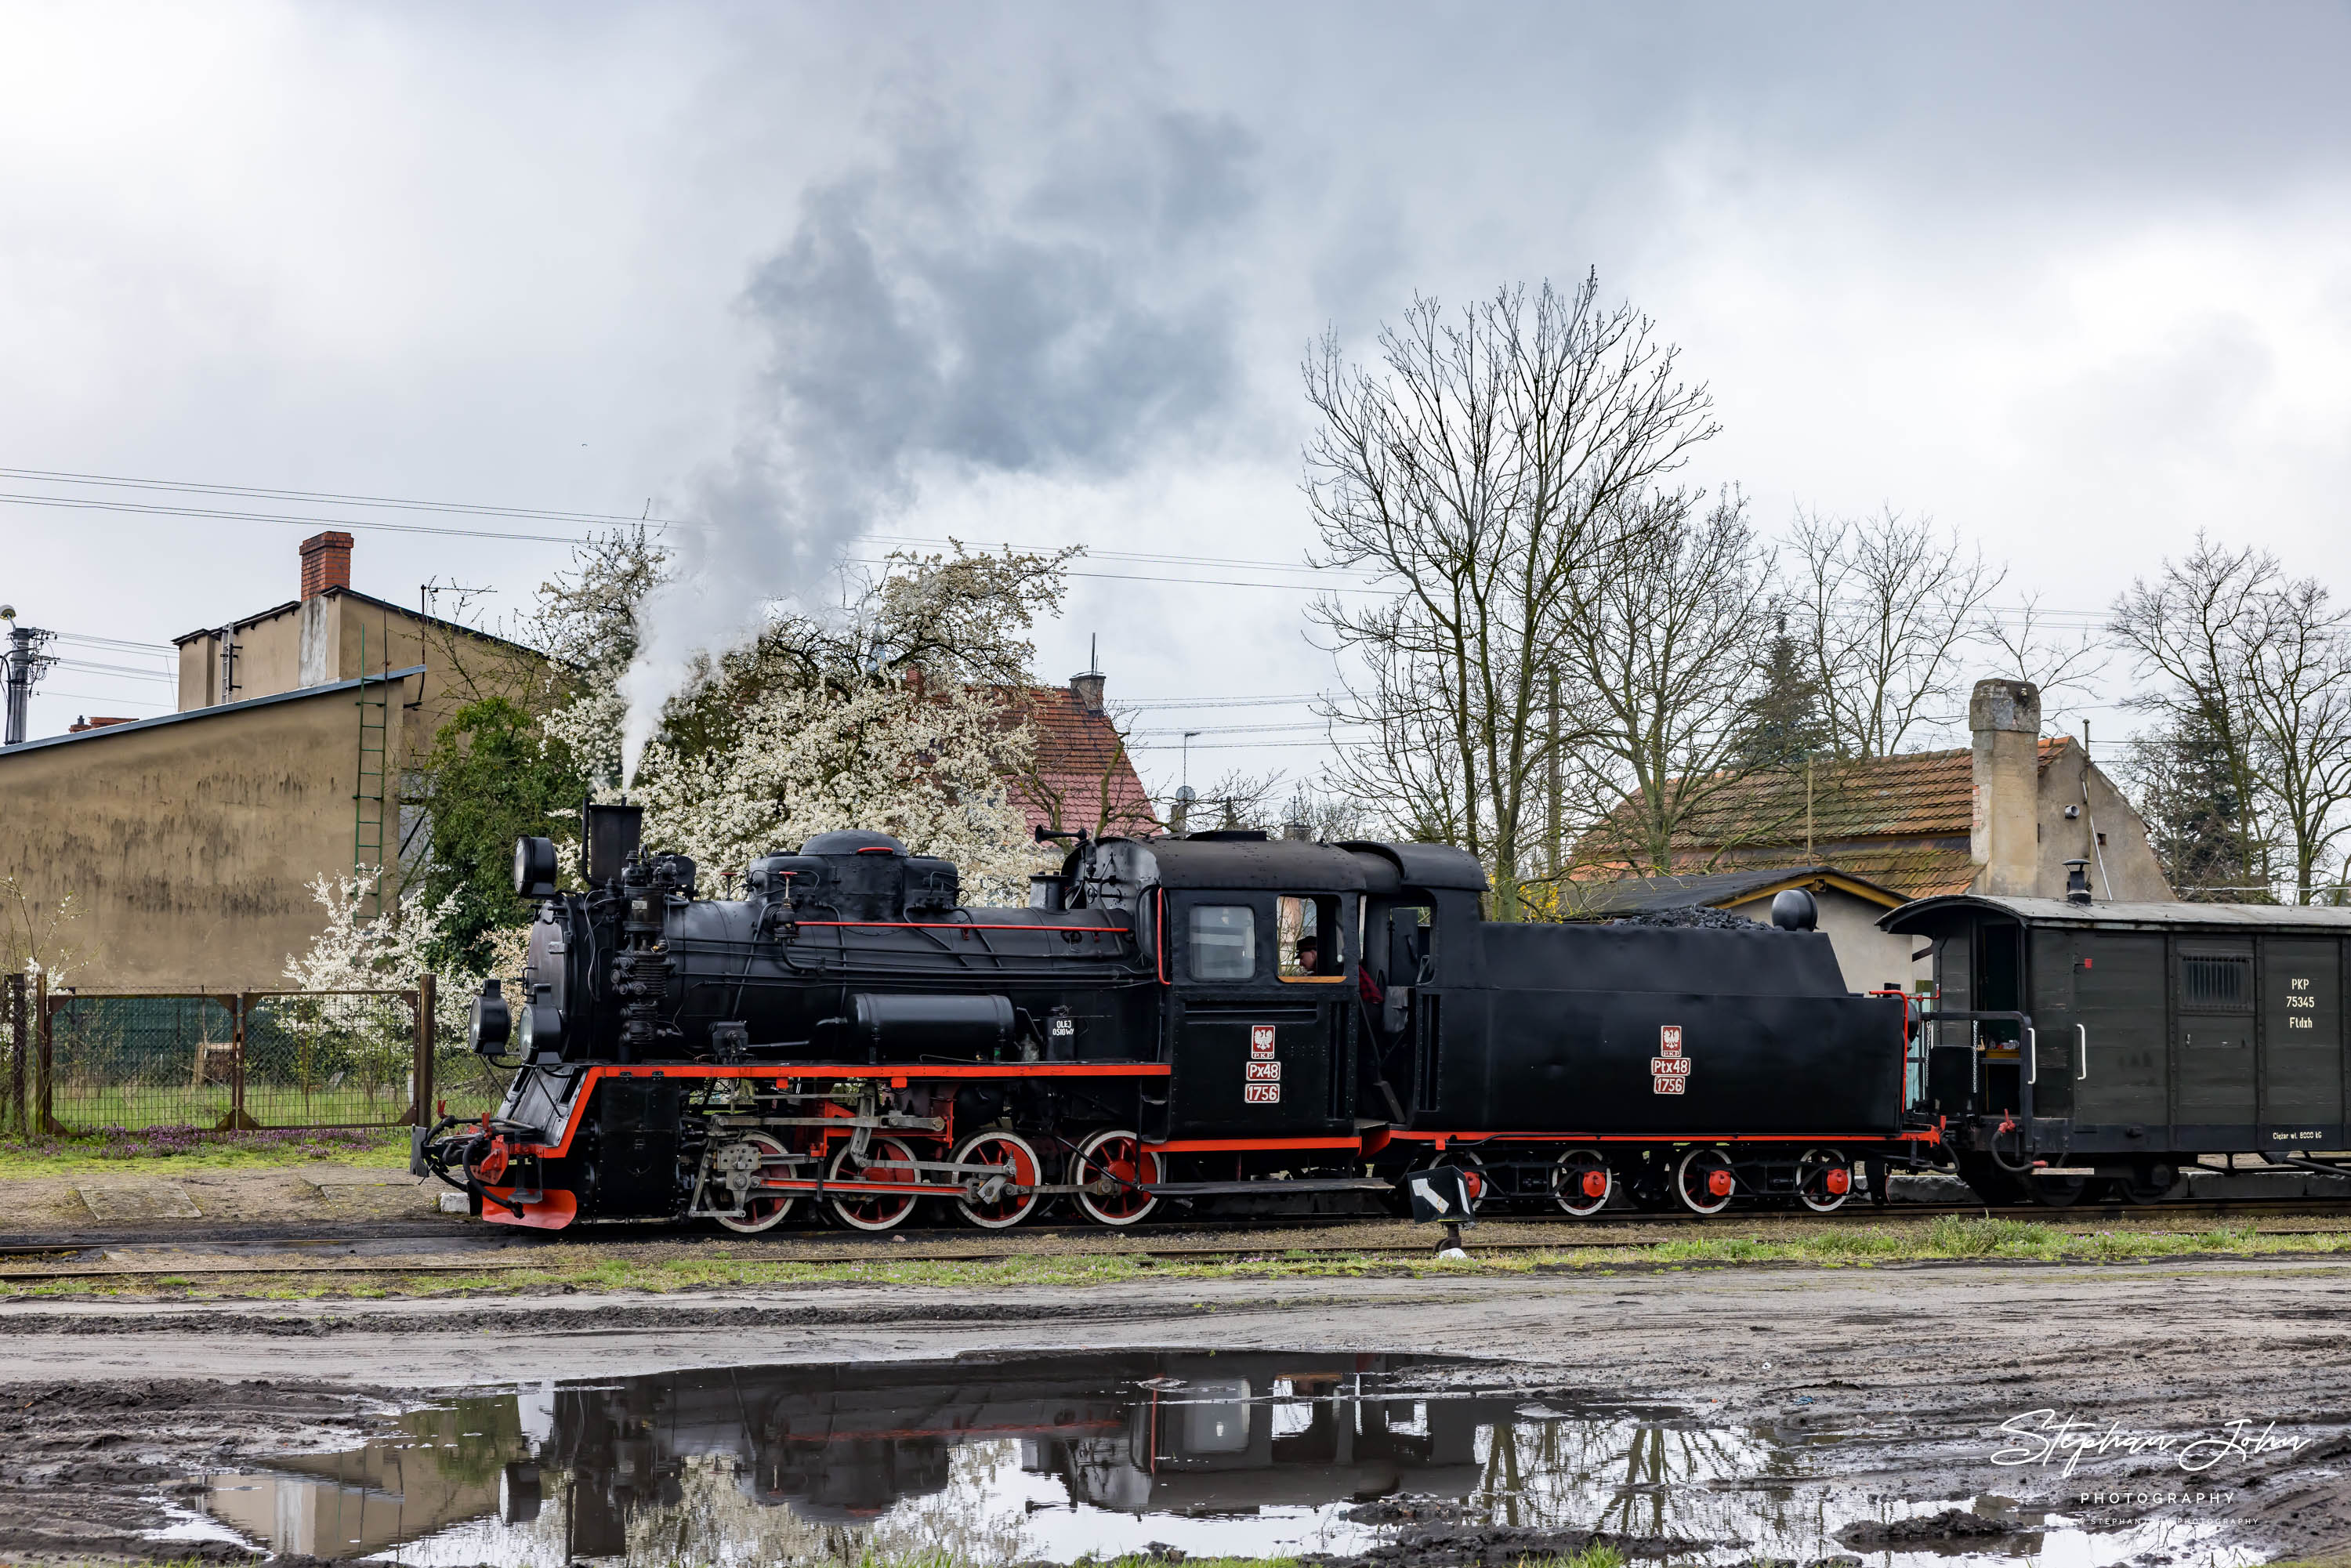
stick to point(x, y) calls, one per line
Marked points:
point(1904, 820)
point(1081, 776)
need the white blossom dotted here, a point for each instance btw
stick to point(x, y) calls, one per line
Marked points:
point(929, 764)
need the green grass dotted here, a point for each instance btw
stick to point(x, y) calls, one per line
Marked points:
point(161, 1152)
point(587, 1266)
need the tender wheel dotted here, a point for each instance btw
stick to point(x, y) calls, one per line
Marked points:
point(1120, 1156)
point(886, 1159)
point(1582, 1182)
point(764, 1210)
point(1824, 1180)
point(2147, 1184)
point(993, 1209)
point(1704, 1181)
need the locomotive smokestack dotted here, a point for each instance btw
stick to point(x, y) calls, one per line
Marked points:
point(2003, 841)
point(2077, 882)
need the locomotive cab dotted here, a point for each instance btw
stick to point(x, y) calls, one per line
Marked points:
point(1263, 939)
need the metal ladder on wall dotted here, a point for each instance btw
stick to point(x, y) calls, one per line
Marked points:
point(368, 809)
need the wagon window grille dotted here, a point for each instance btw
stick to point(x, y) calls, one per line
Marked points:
point(2215, 984)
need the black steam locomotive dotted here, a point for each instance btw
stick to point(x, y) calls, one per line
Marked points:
point(1220, 1017)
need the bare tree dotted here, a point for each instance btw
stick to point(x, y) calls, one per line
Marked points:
point(2300, 703)
point(2189, 631)
point(1237, 800)
point(1326, 817)
point(1665, 658)
point(1487, 463)
point(1883, 607)
point(2028, 649)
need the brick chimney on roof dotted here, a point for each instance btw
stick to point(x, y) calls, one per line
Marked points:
point(326, 563)
point(2004, 841)
point(1087, 686)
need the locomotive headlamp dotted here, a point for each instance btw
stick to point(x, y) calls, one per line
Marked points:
point(534, 868)
point(487, 1030)
point(539, 1029)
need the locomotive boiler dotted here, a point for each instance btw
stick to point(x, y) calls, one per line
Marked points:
point(1219, 1017)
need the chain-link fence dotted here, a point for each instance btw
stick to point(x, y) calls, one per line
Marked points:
point(81, 1060)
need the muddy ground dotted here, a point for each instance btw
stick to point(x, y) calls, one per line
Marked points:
point(106, 1405)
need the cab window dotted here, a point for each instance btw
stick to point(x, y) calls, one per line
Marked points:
point(1307, 936)
point(1223, 941)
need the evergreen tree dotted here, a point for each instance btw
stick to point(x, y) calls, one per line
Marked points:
point(1784, 724)
point(2195, 823)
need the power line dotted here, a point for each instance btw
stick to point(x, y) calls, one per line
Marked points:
point(117, 643)
point(1259, 728)
point(50, 475)
point(208, 514)
point(1239, 744)
point(123, 670)
point(1150, 704)
point(109, 697)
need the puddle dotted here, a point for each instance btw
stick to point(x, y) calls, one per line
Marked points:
point(1014, 1459)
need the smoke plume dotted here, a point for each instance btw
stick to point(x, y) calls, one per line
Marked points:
point(929, 322)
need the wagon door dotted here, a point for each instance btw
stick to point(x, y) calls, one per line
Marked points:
point(2117, 1028)
point(2057, 1032)
point(2302, 1044)
point(2214, 983)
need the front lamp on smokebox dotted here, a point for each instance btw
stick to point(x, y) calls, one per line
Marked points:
point(534, 868)
point(532, 1025)
point(539, 1029)
point(487, 1030)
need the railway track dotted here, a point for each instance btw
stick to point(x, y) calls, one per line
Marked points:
point(57, 1258)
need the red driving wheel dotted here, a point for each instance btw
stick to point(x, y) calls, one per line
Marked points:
point(1120, 1159)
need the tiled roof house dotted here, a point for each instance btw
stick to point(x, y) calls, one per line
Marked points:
point(1081, 776)
point(2002, 815)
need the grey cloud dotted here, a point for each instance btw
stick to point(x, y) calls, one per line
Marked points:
point(920, 318)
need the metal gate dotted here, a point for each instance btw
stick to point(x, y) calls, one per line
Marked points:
point(81, 1060)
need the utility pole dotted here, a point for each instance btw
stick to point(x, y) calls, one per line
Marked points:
point(27, 665)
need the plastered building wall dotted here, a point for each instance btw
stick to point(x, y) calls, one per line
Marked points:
point(187, 843)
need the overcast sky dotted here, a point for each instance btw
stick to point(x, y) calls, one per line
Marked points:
point(2075, 281)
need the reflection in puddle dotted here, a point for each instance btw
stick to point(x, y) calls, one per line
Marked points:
point(1013, 1459)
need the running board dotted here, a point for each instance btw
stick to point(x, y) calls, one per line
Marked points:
point(1221, 1189)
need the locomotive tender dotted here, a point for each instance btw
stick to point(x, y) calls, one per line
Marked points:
point(1218, 1017)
